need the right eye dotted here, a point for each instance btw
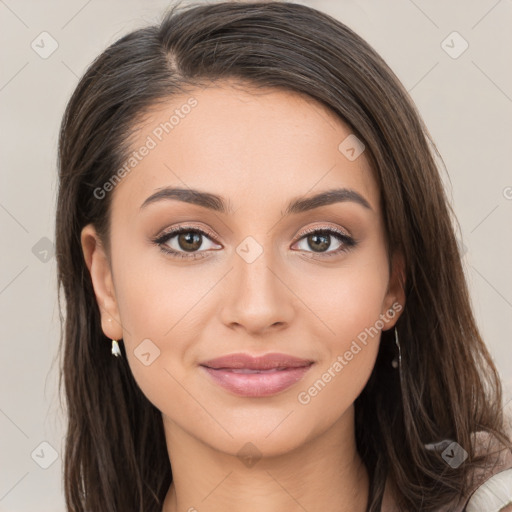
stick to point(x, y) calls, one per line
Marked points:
point(183, 242)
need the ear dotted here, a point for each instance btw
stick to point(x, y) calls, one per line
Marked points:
point(98, 264)
point(394, 301)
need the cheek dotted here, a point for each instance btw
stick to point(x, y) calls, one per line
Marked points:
point(153, 311)
point(348, 298)
point(152, 292)
point(349, 331)
point(149, 307)
point(162, 310)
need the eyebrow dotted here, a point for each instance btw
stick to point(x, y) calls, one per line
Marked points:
point(219, 204)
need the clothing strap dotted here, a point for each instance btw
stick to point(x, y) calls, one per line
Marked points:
point(494, 494)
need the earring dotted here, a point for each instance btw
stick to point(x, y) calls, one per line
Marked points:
point(116, 351)
point(397, 361)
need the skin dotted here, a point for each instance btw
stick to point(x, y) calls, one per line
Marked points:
point(258, 149)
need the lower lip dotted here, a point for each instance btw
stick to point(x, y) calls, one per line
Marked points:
point(257, 384)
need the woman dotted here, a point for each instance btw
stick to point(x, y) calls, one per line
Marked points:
point(265, 304)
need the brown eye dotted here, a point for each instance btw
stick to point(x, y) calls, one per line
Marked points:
point(182, 240)
point(320, 240)
point(318, 243)
point(189, 240)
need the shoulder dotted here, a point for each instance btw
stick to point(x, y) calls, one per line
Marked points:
point(492, 485)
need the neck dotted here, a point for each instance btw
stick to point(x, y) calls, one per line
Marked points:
point(326, 473)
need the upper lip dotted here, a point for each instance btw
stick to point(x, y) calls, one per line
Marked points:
point(265, 362)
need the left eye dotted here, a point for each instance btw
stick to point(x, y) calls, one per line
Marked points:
point(319, 240)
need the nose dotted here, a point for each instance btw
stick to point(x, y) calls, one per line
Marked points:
point(258, 297)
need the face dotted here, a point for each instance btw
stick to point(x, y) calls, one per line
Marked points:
point(248, 274)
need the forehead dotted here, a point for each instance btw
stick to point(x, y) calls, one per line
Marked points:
point(252, 146)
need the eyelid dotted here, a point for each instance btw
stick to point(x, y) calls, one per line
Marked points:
point(182, 227)
point(207, 231)
point(314, 229)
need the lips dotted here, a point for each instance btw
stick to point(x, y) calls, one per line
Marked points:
point(248, 362)
point(249, 376)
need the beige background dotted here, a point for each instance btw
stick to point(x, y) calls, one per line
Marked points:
point(465, 101)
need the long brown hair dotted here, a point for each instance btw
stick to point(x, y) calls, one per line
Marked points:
point(115, 455)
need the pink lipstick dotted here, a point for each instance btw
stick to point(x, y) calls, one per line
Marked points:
point(261, 376)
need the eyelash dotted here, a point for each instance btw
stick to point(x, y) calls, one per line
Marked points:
point(348, 242)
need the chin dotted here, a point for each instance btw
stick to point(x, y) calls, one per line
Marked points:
point(259, 438)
